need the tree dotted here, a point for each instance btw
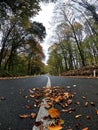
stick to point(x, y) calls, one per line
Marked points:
point(70, 21)
point(55, 65)
point(90, 7)
point(18, 30)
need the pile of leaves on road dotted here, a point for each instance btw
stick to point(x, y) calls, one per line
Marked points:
point(58, 100)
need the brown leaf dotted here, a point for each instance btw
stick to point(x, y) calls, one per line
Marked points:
point(32, 96)
point(54, 127)
point(24, 116)
point(38, 123)
point(69, 101)
point(66, 95)
point(64, 110)
point(41, 127)
point(88, 117)
point(25, 96)
point(78, 125)
point(45, 117)
point(92, 103)
point(86, 128)
point(57, 99)
point(71, 110)
point(33, 115)
point(2, 98)
point(28, 106)
point(97, 112)
point(77, 102)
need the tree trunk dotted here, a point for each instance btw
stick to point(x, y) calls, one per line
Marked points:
point(80, 51)
point(4, 44)
point(64, 55)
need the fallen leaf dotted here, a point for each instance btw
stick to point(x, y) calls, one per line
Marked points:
point(32, 96)
point(85, 128)
point(86, 104)
point(68, 86)
point(54, 113)
point(83, 97)
point(78, 125)
point(45, 117)
point(33, 115)
point(88, 117)
point(69, 101)
point(71, 110)
point(31, 91)
point(57, 99)
point(2, 98)
point(97, 112)
point(54, 127)
point(38, 123)
point(34, 89)
point(78, 116)
point(66, 95)
point(65, 105)
point(77, 102)
point(60, 122)
point(28, 106)
point(64, 110)
point(24, 116)
point(41, 127)
point(25, 96)
point(74, 85)
point(92, 103)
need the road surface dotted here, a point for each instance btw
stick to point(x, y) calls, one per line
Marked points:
point(14, 97)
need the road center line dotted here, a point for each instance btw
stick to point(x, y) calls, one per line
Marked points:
point(42, 111)
point(49, 82)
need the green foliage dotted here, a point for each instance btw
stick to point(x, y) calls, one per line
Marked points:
point(20, 44)
point(76, 41)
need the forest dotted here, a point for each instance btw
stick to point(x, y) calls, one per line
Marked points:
point(74, 42)
point(20, 49)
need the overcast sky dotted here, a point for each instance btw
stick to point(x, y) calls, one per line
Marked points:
point(45, 16)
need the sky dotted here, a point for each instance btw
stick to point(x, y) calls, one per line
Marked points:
point(45, 16)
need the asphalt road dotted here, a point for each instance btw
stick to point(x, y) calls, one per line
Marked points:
point(81, 87)
point(15, 93)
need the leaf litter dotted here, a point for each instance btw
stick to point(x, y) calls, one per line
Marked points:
point(55, 96)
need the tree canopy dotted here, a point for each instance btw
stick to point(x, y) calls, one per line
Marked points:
point(75, 37)
point(20, 36)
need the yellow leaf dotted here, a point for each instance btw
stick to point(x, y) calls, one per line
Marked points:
point(60, 121)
